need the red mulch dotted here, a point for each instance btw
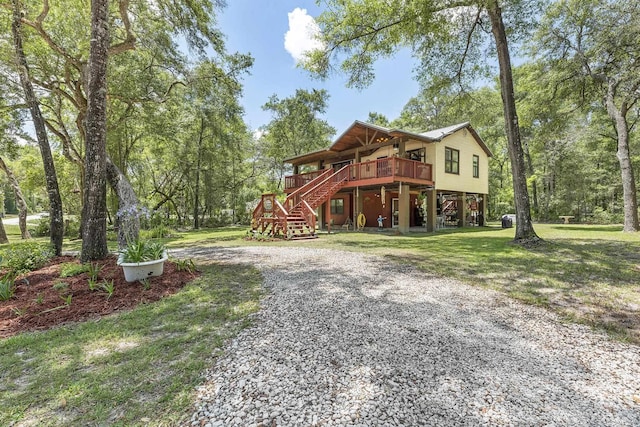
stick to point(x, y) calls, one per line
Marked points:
point(36, 305)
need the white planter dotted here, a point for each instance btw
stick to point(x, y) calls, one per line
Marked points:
point(135, 271)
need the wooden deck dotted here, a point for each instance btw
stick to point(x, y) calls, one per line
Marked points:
point(375, 172)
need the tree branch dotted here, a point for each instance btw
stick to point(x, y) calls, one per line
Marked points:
point(130, 39)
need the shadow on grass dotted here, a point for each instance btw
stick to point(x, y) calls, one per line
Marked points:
point(591, 280)
point(588, 228)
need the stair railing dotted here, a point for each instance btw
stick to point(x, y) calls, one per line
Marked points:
point(280, 216)
point(257, 215)
point(309, 215)
point(332, 182)
point(294, 198)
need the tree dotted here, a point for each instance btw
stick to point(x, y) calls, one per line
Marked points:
point(295, 128)
point(20, 201)
point(377, 119)
point(447, 37)
point(94, 214)
point(595, 47)
point(147, 76)
point(55, 202)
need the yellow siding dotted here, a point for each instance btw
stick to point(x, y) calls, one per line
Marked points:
point(467, 145)
point(462, 141)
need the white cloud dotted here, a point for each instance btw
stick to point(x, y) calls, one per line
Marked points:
point(302, 34)
point(258, 133)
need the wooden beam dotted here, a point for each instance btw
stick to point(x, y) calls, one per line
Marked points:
point(372, 138)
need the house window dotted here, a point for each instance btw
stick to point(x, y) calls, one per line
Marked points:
point(417, 155)
point(337, 206)
point(451, 160)
point(476, 166)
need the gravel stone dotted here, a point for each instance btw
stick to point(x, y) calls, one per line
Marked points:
point(353, 339)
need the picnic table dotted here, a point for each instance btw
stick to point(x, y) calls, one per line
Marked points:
point(566, 218)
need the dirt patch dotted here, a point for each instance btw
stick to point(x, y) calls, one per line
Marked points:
point(43, 299)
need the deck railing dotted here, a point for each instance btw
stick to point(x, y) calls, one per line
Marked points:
point(300, 180)
point(390, 167)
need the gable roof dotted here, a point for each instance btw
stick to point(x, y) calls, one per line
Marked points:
point(367, 136)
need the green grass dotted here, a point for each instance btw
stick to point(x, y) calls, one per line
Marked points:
point(135, 368)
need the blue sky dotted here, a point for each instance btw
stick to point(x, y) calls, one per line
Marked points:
point(258, 27)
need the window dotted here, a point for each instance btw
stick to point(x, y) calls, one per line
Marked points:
point(476, 166)
point(337, 206)
point(417, 155)
point(451, 160)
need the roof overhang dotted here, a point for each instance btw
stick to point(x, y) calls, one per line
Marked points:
point(365, 137)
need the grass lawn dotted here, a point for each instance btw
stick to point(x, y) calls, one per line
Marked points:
point(134, 368)
point(141, 367)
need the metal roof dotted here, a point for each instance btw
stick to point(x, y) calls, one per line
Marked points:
point(367, 136)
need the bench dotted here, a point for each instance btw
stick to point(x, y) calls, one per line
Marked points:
point(566, 218)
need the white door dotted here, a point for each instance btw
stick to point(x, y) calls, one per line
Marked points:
point(394, 212)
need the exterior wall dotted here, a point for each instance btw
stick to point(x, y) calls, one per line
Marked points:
point(464, 181)
point(462, 141)
point(339, 219)
point(372, 207)
point(380, 152)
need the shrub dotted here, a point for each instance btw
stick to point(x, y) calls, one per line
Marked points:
point(6, 287)
point(157, 232)
point(42, 228)
point(27, 256)
point(69, 269)
point(72, 228)
point(601, 216)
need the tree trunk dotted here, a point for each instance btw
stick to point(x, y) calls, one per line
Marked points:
point(3, 233)
point(534, 182)
point(20, 201)
point(524, 227)
point(94, 221)
point(128, 225)
point(629, 197)
point(55, 202)
point(196, 223)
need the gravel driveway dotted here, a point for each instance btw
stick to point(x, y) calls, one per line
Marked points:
point(349, 339)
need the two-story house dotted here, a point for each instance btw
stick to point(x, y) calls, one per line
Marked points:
point(433, 179)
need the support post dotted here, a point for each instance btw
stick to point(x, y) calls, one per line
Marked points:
point(462, 210)
point(431, 210)
point(404, 208)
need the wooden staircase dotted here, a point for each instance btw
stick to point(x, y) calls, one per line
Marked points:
point(296, 217)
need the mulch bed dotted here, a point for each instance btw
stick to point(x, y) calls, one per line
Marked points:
point(40, 299)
